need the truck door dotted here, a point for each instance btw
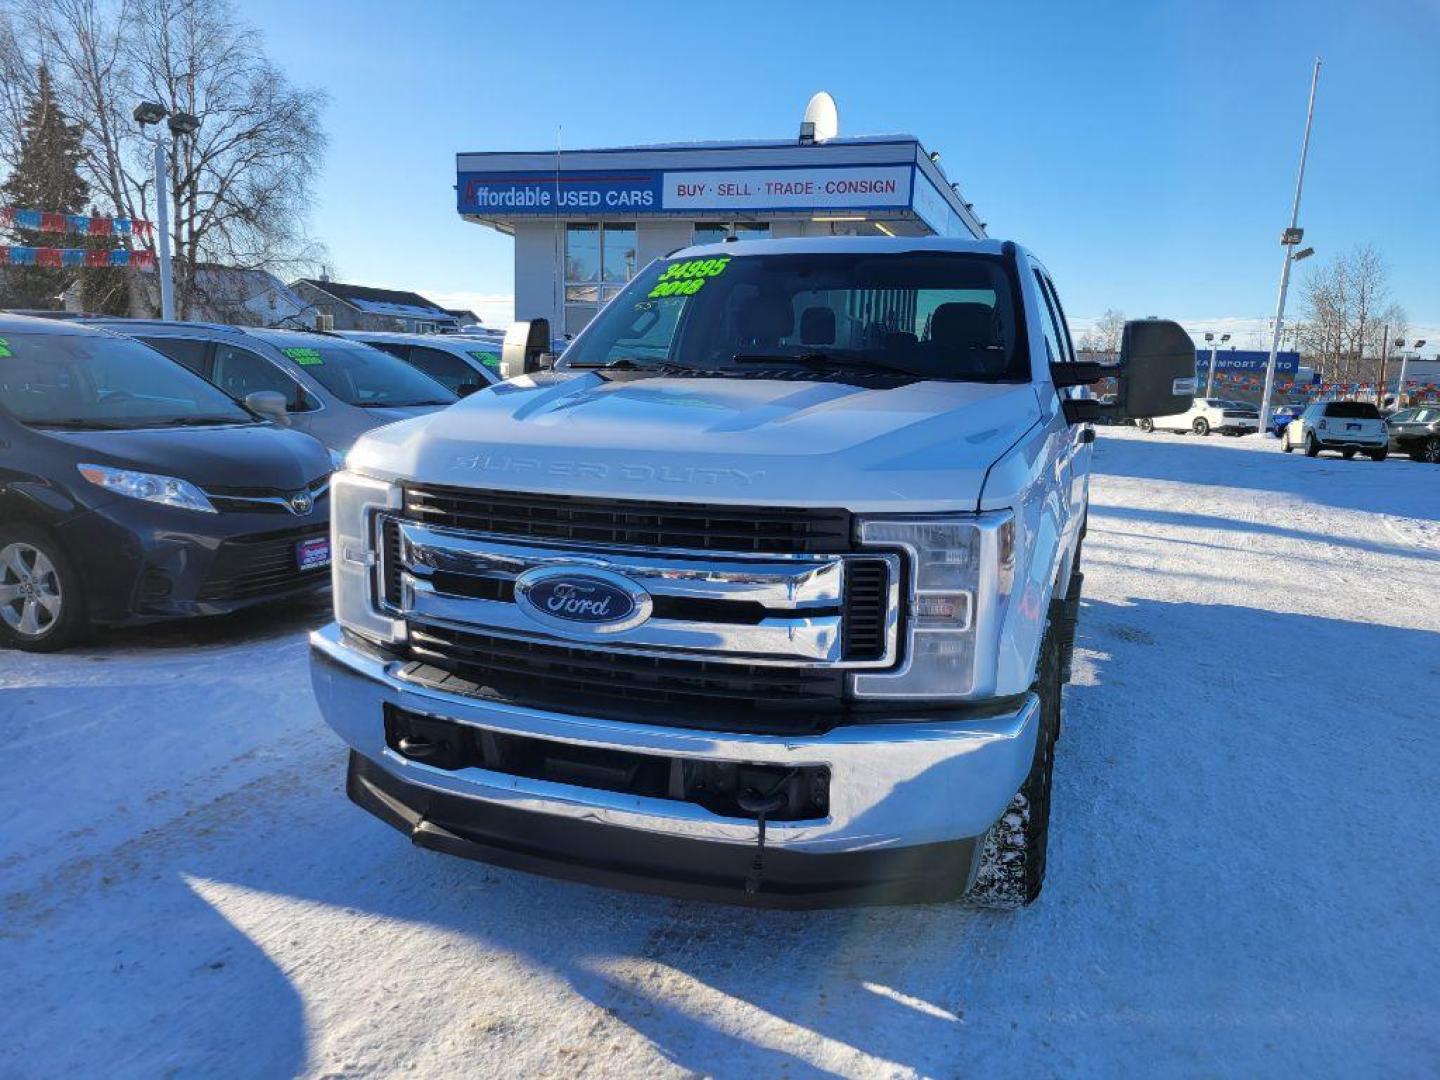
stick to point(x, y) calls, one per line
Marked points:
point(1075, 474)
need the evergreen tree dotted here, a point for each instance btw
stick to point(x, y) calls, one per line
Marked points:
point(47, 178)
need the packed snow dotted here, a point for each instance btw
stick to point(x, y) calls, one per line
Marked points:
point(1244, 864)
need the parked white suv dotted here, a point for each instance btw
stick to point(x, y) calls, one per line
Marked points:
point(1205, 416)
point(1346, 426)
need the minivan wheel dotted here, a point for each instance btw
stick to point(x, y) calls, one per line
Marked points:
point(41, 605)
point(1312, 447)
point(1201, 426)
point(1012, 856)
point(1145, 424)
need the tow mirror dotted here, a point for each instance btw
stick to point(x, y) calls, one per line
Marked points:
point(269, 404)
point(1157, 370)
point(525, 343)
point(1155, 375)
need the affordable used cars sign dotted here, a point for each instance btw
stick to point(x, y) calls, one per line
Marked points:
point(642, 191)
point(591, 192)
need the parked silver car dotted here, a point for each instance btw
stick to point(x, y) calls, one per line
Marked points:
point(332, 388)
point(461, 362)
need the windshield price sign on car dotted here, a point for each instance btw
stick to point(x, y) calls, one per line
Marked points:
point(305, 357)
point(687, 278)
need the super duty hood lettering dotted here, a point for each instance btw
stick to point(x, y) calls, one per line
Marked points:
point(595, 470)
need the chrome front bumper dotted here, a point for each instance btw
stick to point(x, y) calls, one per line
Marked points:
point(894, 784)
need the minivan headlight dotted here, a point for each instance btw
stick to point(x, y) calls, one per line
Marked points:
point(150, 487)
point(356, 505)
point(960, 572)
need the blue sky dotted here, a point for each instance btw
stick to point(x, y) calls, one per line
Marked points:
point(1146, 151)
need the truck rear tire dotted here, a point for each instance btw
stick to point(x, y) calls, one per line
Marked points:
point(1012, 856)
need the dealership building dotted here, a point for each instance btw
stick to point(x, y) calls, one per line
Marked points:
point(586, 221)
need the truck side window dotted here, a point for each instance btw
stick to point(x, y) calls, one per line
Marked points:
point(1061, 324)
point(1048, 325)
point(239, 372)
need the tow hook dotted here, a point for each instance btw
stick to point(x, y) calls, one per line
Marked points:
point(752, 802)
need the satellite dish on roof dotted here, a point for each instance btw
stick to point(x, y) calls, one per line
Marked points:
point(822, 119)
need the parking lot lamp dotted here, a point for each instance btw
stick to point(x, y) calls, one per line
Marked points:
point(1289, 240)
point(1210, 379)
point(1415, 347)
point(149, 114)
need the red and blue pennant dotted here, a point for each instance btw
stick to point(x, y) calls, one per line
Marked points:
point(15, 255)
point(77, 224)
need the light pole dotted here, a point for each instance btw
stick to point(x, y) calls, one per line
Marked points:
point(1289, 239)
point(147, 114)
point(1415, 346)
point(1210, 380)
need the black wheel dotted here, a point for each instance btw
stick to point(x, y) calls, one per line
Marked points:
point(1201, 426)
point(1379, 455)
point(1348, 453)
point(1012, 859)
point(1145, 424)
point(1431, 450)
point(42, 607)
point(1312, 448)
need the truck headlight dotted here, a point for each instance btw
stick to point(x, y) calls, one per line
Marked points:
point(961, 572)
point(356, 503)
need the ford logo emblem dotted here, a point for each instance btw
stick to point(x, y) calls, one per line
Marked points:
point(581, 601)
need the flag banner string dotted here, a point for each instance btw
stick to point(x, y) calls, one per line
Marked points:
point(79, 224)
point(12, 255)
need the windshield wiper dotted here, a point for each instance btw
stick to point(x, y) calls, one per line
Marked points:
point(822, 361)
point(193, 421)
point(80, 423)
point(630, 363)
point(398, 404)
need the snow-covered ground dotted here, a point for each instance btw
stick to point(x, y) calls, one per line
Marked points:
point(1244, 874)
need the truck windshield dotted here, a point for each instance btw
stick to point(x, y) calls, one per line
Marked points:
point(360, 375)
point(101, 381)
point(928, 315)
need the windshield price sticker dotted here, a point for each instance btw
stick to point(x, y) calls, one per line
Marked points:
point(489, 359)
point(688, 278)
point(5, 348)
point(305, 357)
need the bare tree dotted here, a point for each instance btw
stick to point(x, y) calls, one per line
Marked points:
point(1104, 336)
point(239, 188)
point(1346, 309)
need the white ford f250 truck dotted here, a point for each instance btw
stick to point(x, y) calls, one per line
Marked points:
point(766, 593)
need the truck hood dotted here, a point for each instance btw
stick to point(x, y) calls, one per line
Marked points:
point(737, 441)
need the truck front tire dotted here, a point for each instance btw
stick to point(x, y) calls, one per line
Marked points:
point(1012, 857)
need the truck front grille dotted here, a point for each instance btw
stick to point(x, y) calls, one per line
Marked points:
point(633, 522)
point(622, 685)
point(867, 607)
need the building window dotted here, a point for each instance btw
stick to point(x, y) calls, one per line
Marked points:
point(712, 232)
point(599, 260)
